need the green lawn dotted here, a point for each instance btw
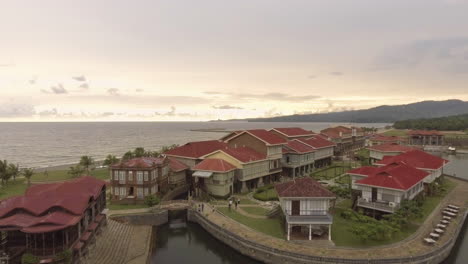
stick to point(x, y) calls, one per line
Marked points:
point(125, 206)
point(343, 180)
point(255, 210)
point(267, 195)
point(431, 202)
point(330, 173)
point(59, 175)
point(272, 227)
point(13, 188)
point(396, 132)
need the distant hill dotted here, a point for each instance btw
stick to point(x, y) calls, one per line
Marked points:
point(457, 122)
point(380, 114)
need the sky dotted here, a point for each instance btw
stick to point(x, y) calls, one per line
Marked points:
point(113, 60)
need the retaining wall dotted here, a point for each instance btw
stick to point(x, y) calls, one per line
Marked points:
point(151, 218)
point(275, 256)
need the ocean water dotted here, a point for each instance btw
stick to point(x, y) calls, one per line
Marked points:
point(40, 145)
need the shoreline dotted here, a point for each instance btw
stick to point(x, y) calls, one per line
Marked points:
point(63, 166)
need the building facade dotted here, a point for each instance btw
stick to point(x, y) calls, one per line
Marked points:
point(214, 177)
point(298, 159)
point(378, 152)
point(346, 138)
point(426, 137)
point(134, 179)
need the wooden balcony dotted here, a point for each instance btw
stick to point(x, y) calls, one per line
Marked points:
point(378, 205)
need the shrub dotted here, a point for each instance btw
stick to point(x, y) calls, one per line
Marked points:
point(28, 258)
point(65, 256)
point(151, 200)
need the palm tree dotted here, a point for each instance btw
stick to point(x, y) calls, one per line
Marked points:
point(28, 173)
point(110, 160)
point(86, 162)
point(14, 170)
point(76, 171)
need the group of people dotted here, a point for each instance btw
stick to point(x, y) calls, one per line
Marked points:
point(234, 200)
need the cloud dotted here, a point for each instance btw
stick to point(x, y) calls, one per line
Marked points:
point(336, 73)
point(113, 91)
point(173, 112)
point(226, 107)
point(213, 93)
point(311, 76)
point(444, 54)
point(46, 113)
point(139, 90)
point(12, 110)
point(81, 78)
point(105, 114)
point(272, 112)
point(7, 65)
point(33, 80)
point(56, 89)
point(84, 86)
point(269, 96)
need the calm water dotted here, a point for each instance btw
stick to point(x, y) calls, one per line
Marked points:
point(188, 243)
point(51, 144)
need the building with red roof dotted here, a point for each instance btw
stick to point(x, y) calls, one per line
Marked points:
point(290, 133)
point(215, 177)
point(346, 138)
point(386, 187)
point(190, 153)
point(298, 158)
point(419, 159)
point(51, 218)
point(323, 150)
point(132, 180)
point(178, 173)
point(306, 204)
point(378, 139)
point(426, 137)
point(377, 152)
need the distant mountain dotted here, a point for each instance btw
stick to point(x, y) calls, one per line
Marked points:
point(380, 114)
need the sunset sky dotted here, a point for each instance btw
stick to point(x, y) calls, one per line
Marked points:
point(210, 59)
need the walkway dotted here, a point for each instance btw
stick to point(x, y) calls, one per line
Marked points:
point(120, 244)
point(409, 247)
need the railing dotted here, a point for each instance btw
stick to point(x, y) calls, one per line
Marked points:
point(382, 206)
point(308, 212)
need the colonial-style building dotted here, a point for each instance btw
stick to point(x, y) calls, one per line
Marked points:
point(323, 150)
point(178, 174)
point(426, 137)
point(215, 177)
point(377, 152)
point(418, 159)
point(191, 153)
point(290, 133)
point(52, 218)
point(132, 180)
point(253, 168)
point(379, 139)
point(383, 189)
point(346, 139)
point(306, 205)
point(298, 158)
point(264, 142)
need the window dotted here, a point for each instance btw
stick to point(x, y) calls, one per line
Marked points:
point(122, 177)
point(145, 175)
point(146, 191)
point(123, 191)
point(130, 175)
point(140, 192)
point(116, 175)
point(139, 177)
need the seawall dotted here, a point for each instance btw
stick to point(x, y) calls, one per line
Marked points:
point(277, 256)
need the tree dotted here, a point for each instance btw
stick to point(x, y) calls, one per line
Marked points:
point(128, 155)
point(139, 152)
point(4, 172)
point(28, 173)
point(86, 162)
point(151, 200)
point(110, 160)
point(13, 170)
point(76, 171)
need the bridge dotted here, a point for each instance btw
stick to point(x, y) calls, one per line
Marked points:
point(173, 205)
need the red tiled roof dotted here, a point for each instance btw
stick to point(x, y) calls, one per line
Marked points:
point(318, 142)
point(366, 170)
point(425, 133)
point(31, 212)
point(176, 165)
point(196, 149)
point(217, 165)
point(302, 187)
point(415, 158)
point(395, 176)
point(143, 162)
point(298, 146)
point(383, 138)
point(293, 131)
point(391, 147)
point(244, 154)
point(266, 136)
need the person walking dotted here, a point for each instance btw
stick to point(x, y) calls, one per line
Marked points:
point(230, 204)
point(235, 202)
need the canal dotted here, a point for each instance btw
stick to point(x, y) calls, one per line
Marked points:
point(181, 242)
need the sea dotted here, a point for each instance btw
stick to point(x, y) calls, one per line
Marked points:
point(41, 144)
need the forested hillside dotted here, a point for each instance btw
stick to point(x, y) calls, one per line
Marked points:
point(457, 122)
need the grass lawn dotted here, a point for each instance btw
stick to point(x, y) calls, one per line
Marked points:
point(431, 202)
point(125, 206)
point(396, 132)
point(330, 173)
point(246, 201)
point(58, 175)
point(343, 179)
point(13, 188)
point(255, 210)
point(267, 195)
point(272, 227)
